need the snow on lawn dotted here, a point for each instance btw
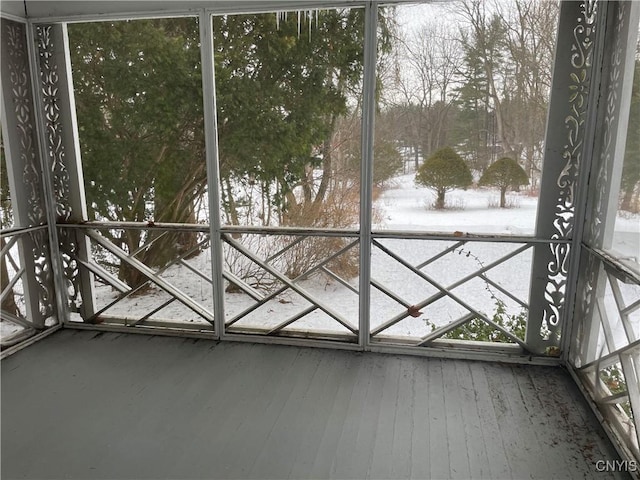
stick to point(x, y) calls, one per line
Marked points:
point(402, 206)
point(406, 206)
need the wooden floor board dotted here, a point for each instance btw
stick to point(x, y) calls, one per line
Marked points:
point(323, 395)
point(253, 431)
point(346, 463)
point(493, 442)
point(383, 448)
point(420, 431)
point(479, 462)
point(455, 434)
point(402, 454)
point(275, 452)
point(440, 464)
point(353, 373)
point(87, 405)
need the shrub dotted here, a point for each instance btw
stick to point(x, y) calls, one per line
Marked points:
point(387, 162)
point(480, 331)
point(504, 174)
point(339, 210)
point(444, 171)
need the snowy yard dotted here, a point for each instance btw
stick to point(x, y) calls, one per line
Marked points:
point(403, 206)
point(406, 206)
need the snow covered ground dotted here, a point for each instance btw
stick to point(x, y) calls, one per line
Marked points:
point(406, 206)
point(403, 206)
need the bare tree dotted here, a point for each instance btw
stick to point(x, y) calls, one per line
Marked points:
point(513, 43)
point(529, 41)
point(422, 92)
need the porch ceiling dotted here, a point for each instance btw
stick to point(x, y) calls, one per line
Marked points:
point(84, 404)
point(96, 8)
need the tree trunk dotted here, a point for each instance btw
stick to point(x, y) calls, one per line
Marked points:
point(326, 165)
point(307, 185)
point(627, 200)
point(126, 273)
point(503, 197)
point(172, 244)
point(440, 200)
point(232, 210)
point(130, 241)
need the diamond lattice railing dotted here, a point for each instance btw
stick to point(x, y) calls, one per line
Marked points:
point(428, 290)
point(141, 288)
point(292, 284)
point(24, 261)
point(606, 349)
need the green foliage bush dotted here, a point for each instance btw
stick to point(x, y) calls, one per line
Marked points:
point(480, 331)
point(504, 174)
point(443, 171)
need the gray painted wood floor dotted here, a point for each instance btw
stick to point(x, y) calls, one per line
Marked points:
point(90, 405)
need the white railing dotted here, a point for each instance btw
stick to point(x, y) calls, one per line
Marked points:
point(606, 344)
point(26, 297)
point(427, 290)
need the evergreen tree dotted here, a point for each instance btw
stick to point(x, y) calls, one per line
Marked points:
point(509, 49)
point(443, 171)
point(483, 43)
point(504, 174)
point(282, 84)
point(139, 103)
point(474, 129)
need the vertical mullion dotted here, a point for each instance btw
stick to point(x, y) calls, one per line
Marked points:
point(60, 287)
point(366, 168)
point(596, 205)
point(20, 143)
point(73, 161)
point(213, 170)
point(565, 167)
point(586, 168)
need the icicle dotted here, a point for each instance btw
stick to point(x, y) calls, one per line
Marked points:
point(309, 16)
